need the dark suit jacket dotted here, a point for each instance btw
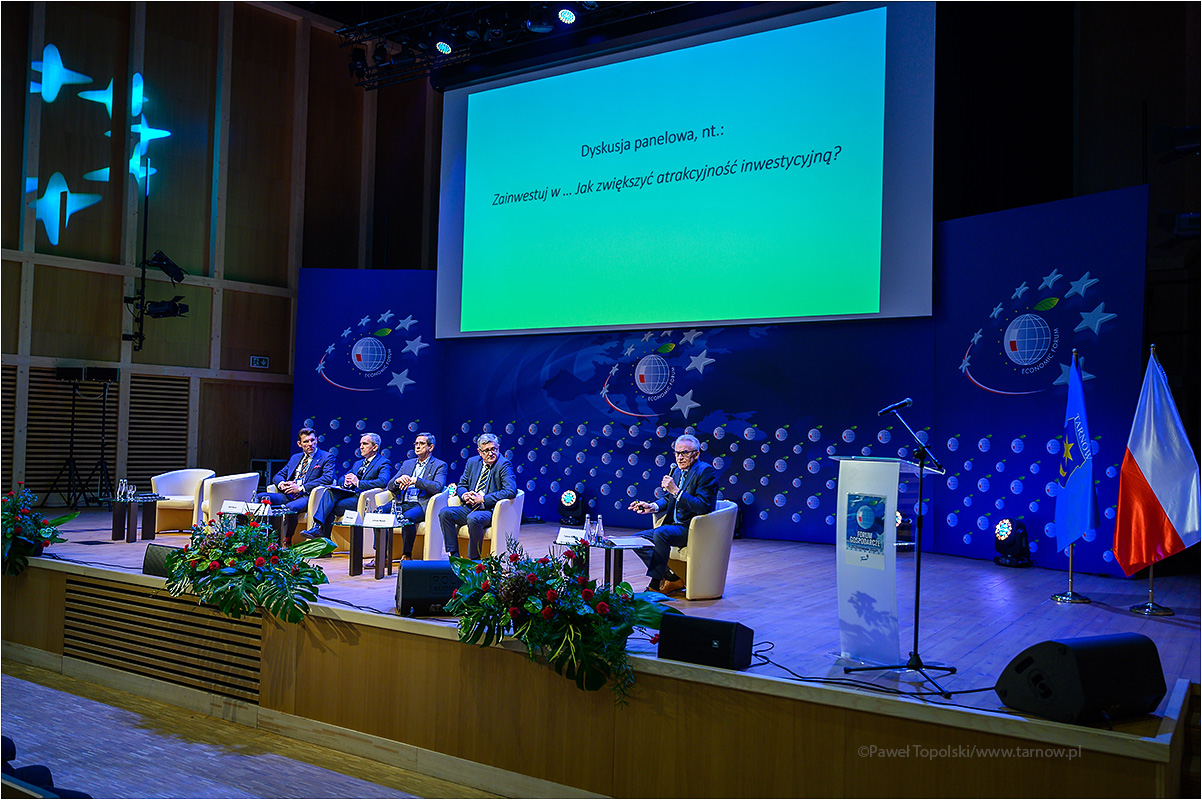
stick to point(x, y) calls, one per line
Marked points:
point(432, 481)
point(376, 476)
point(321, 470)
point(502, 483)
point(698, 494)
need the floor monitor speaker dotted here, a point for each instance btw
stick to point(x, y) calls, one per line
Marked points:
point(711, 642)
point(1085, 680)
point(155, 560)
point(424, 587)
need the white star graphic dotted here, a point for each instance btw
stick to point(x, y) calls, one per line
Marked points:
point(414, 345)
point(996, 311)
point(647, 337)
point(1094, 319)
point(387, 315)
point(321, 368)
point(964, 364)
point(1063, 379)
point(1020, 291)
point(1050, 279)
point(976, 337)
point(364, 321)
point(1079, 286)
point(406, 322)
point(689, 336)
point(346, 333)
point(699, 363)
point(401, 381)
point(684, 403)
point(605, 390)
point(614, 371)
point(329, 349)
point(629, 350)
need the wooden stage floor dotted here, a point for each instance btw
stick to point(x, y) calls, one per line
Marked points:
point(975, 615)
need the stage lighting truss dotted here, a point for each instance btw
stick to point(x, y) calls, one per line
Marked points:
point(431, 36)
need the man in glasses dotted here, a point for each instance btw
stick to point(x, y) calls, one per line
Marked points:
point(487, 478)
point(690, 489)
point(418, 479)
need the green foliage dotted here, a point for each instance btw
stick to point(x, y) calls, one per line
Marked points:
point(241, 568)
point(26, 532)
point(549, 604)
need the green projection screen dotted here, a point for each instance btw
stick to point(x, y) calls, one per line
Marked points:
point(746, 175)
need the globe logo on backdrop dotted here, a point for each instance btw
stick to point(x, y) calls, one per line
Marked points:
point(368, 354)
point(651, 374)
point(1027, 339)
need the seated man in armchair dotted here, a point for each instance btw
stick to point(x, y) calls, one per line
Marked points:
point(305, 471)
point(487, 479)
point(369, 472)
point(418, 479)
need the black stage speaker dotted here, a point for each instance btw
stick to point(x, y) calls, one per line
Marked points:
point(424, 587)
point(73, 374)
point(155, 560)
point(711, 642)
point(102, 374)
point(1085, 680)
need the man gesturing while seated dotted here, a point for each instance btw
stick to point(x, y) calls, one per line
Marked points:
point(487, 479)
point(690, 489)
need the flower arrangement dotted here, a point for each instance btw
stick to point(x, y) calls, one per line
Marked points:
point(549, 604)
point(240, 568)
point(26, 532)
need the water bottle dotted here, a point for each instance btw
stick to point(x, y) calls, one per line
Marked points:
point(587, 530)
point(599, 530)
point(121, 489)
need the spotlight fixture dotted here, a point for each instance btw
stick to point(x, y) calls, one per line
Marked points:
point(161, 309)
point(443, 47)
point(444, 39)
point(380, 55)
point(1010, 540)
point(540, 19)
point(571, 508)
point(358, 63)
point(169, 267)
point(566, 15)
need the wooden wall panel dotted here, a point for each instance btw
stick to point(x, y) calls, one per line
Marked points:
point(180, 65)
point(10, 305)
point(260, 147)
point(178, 341)
point(256, 325)
point(48, 444)
point(93, 39)
point(158, 427)
point(8, 418)
point(401, 197)
point(332, 166)
point(242, 421)
point(31, 609)
point(76, 314)
point(14, 58)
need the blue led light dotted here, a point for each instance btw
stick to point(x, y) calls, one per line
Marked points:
point(47, 207)
point(54, 75)
point(443, 48)
point(566, 16)
point(102, 96)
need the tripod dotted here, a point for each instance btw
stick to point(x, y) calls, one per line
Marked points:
point(104, 484)
point(76, 488)
point(915, 663)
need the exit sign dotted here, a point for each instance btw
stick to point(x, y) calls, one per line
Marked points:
point(260, 362)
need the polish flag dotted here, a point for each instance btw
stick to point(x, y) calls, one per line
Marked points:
point(1158, 510)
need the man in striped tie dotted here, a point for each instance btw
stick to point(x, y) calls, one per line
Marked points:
point(305, 471)
point(487, 479)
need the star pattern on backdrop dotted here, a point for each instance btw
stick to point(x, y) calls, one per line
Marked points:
point(699, 363)
point(1094, 319)
point(1080, 285)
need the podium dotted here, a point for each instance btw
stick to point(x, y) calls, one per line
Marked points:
point(866, 556)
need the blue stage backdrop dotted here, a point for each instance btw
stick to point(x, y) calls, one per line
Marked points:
point(1015, 293)
point(366, 359)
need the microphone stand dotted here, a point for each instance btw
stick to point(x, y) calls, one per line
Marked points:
point(915, 662)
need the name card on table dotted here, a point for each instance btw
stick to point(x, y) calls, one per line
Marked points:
point(349, 518)
point(235, 507)
point(379, 521)
point(569, 536)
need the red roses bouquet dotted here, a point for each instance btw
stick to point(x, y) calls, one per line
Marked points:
point(27, 532)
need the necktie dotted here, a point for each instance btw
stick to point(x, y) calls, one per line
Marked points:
point(676, 502)
point(302, 469)
point(483, 479)
point(363, 469)
point(411, 494)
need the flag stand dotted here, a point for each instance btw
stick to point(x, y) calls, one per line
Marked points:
point(1070, 596)
point(1151, 608)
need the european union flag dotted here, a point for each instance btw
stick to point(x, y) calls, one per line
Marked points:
point(1076, 500)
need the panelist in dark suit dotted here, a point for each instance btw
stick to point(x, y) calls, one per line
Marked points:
point(690, 489)
point(306, 470)
point(418, 479)
point(487, 479)
point(368, 473)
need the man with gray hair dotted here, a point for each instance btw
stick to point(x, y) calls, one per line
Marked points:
point(690, 489)
point(487, 479)
point(368, 473)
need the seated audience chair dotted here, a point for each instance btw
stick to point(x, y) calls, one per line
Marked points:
point(506, 524)
point(704, 560)
point(182, 488)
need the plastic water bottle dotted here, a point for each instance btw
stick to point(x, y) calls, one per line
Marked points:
point(588, 530)
point(121, 489)
point(600, 529)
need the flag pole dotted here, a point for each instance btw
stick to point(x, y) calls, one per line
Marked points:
point(1070, 596)
point(1151, 608)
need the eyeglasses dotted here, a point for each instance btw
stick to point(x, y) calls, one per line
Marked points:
point(684, 452)
point(487, 449)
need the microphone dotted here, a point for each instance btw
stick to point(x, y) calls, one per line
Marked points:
point(899, 404)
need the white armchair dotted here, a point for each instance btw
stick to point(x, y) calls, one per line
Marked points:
point(707, 554)
point(302, 519)
point(506, 524)
point(182, 488)
point(429, 534)
point(227, 487)
point(338, 532)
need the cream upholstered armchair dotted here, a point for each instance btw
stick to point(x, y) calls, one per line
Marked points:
point(341, 533)
point(302, 519)
point(182, 488)
point(216, 491)
point(707, 555)
point(429, 534)
point(506, 524)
